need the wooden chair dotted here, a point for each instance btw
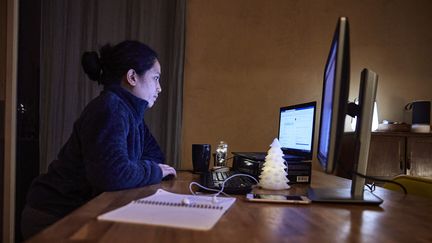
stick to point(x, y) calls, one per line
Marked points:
point(420, 186)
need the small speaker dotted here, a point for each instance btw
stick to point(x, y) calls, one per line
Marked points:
point(420, 115)
point(421, 112)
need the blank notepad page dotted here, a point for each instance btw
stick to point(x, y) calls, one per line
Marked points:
point(166, 209)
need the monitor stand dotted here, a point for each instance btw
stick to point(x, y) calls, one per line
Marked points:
point(337, 195)
point(364, 113)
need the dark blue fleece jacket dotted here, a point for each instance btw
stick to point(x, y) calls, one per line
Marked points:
point(110, 148)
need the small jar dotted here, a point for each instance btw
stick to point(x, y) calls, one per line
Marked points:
point(221, 154)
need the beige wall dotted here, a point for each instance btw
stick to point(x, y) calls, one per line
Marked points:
point(246, 58)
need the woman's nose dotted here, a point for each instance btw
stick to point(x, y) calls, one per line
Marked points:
point(159, 88)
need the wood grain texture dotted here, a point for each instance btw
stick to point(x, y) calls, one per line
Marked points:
point(395, 153)
point(399, 219)
point(386, 156)
point(419, 156)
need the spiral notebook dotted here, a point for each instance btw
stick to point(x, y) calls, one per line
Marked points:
point(167, 209)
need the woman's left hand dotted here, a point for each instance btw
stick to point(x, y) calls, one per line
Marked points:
point(167, 170)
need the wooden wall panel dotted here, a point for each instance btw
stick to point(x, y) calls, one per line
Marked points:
point(246, 58)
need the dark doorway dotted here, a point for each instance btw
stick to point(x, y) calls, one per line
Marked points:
point(27, 147)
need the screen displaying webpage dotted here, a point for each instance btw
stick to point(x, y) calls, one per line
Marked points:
point(296, 128)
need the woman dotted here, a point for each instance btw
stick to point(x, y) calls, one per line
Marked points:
point(110, 148)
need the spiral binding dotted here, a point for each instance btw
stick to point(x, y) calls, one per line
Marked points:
point(179, 204)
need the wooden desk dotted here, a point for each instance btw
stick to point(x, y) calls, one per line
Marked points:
point(399, 219)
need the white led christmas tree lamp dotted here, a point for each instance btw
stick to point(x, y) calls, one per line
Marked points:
point(274, 175)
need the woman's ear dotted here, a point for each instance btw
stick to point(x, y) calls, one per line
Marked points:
point(131, 77)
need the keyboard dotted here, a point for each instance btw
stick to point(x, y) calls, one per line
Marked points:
point(235, 185)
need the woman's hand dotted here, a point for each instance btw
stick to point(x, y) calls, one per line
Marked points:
point(167, 170)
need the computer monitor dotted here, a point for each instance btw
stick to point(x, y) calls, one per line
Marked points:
point(334, 108)
point(296, 129)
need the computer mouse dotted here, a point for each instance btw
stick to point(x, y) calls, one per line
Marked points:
point(168, 177)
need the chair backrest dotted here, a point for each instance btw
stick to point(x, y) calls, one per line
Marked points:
point(420, 186)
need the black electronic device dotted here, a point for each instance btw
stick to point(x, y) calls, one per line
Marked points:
point(334, 108)
point(276, 198)
point(298, 171)
point(235, 185)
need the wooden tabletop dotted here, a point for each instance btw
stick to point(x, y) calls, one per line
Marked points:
point(399, 219)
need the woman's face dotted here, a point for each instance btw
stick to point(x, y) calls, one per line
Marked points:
point(147, 86)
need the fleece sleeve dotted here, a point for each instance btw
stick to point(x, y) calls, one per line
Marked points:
point(104, 141)
point(151, 150)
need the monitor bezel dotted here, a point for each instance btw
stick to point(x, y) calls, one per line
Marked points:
point(341, 88)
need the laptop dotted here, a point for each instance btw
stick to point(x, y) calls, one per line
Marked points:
point(295, 134)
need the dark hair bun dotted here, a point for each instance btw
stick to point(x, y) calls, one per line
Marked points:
point(113, 62)
point(91, 65)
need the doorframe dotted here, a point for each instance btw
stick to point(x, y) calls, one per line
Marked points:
point(8, 233)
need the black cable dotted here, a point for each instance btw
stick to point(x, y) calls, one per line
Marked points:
point(371, 186)
point(382, 180)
